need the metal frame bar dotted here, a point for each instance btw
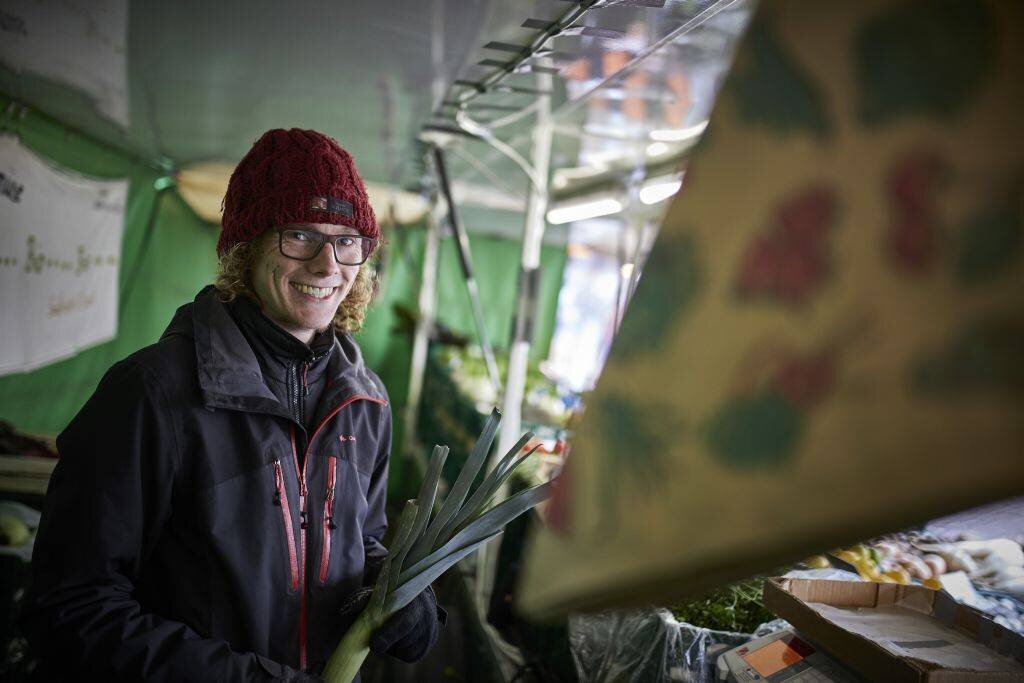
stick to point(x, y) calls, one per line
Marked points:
point(519, 349)
point(426, 307)
point(466, 262)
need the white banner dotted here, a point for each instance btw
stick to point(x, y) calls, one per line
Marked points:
point(60, 252)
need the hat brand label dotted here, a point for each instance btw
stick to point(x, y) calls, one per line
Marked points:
point(331, 205)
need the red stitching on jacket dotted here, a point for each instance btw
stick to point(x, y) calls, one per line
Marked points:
point(303, 494)
point(287, 516)
point(349, 401)
point(325, 551)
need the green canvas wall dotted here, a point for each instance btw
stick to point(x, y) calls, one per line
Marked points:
point(387, 348)
point(179, 258)
point(496, 264)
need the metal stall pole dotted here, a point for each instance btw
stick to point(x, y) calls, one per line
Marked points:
point(629, 241)
point(426, 303)
point(526, 311)
point(466, 262)
point(426, 307)
point(529, 279)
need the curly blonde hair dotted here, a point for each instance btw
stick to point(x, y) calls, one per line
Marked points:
point(234, 277)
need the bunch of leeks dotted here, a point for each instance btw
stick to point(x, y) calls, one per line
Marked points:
point(425, 547)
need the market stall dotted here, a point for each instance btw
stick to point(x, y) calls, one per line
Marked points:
point(743, 279)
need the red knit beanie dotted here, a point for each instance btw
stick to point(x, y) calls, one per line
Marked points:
point(294, 176)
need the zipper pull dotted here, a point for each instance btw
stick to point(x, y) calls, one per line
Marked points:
point(300, 471)
point(305, 382)
point(330, 508)
point(305, 519)
point(277, 483)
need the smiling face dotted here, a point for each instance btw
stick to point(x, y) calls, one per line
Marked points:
point(302, 297)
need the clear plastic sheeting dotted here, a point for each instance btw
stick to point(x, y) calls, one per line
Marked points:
point(649, 645)
point(632, 85)
point(203, 80)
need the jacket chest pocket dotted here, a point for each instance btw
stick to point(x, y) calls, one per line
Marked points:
point(248, 520)
point(342, 520)
point(354, 440)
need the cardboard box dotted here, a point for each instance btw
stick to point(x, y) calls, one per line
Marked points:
point(25, 473)
point(889, 632)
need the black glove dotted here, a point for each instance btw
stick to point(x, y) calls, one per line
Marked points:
point(410, 632)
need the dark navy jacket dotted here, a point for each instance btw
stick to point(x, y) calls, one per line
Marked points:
point(180, 538)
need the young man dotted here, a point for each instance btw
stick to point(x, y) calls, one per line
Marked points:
point(219, 501)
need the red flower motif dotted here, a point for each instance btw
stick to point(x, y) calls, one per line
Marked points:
point(805, 380)
point(912, 185)
point(791, 261)
point(558, 515)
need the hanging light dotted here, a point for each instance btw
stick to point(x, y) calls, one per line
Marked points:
point(584, 210)
point(678, 134)
point(657, 149)
point(652, 193)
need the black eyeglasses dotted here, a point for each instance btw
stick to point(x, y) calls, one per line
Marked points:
point(305, 245)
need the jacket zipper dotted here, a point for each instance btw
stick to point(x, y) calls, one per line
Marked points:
point(294, 393)
point(299, 577)
point(329, 525)
point(297, 396)
point(281, 499)
point(303, 526)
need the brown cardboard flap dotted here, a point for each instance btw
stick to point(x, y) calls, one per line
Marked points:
point(893, 632)
point(785, 597)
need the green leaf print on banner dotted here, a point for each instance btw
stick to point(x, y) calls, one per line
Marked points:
point(636, 439)
point(985, 356)
point(925, 57)
point(770, 88)
point(989, 245)
point(759, 431)
point(668, 287)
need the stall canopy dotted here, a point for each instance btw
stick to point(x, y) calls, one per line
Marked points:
point(170, 95)
point(190, 82)
point(196, 81)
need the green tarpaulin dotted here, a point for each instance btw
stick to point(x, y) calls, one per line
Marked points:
point(169, 254)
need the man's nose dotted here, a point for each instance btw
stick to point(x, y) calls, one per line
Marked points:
point(325, 262)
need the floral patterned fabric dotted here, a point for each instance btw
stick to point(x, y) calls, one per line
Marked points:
point(828, 339)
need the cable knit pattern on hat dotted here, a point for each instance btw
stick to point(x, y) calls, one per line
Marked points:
point(275, 182)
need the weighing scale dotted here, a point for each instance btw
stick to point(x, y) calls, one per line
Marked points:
point(781, 656)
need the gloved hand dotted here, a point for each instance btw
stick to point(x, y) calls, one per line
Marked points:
point(410, 632)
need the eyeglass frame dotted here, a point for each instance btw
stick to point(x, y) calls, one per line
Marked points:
point(323, 237)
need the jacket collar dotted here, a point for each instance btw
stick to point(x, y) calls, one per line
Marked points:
point(230, 376)
point(277, 350)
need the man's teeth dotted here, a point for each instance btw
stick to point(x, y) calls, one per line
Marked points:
point(318, 292)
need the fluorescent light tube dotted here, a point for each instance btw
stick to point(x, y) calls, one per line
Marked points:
point(657, 149)
point(678, 134)
point(583, 211)
point(657, 192)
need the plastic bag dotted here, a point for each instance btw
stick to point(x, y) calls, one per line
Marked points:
point(648, 645)
point(30, 517)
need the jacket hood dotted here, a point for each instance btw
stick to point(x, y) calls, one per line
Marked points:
point(229, 373)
